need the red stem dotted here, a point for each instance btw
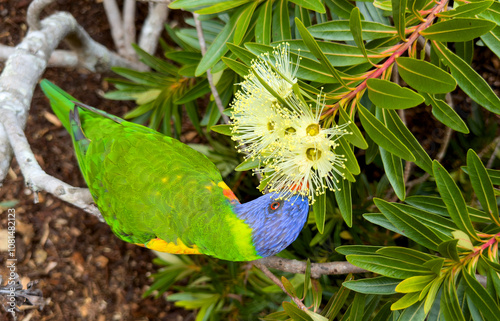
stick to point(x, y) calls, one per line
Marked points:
point(398, 52)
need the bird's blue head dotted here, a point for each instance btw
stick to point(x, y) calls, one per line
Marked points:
point(275, 223)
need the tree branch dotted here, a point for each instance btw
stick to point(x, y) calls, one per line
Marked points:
point(116, 25)
point(153, 26)
point(317, 269)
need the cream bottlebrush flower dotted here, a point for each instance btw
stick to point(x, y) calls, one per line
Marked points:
point(260, 123)
point(309, 165)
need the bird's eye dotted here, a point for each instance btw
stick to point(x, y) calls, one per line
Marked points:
point(275, 205)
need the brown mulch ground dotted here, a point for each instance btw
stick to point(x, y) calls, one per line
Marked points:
point(85, 272)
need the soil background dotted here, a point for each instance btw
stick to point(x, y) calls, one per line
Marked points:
point(84, 271)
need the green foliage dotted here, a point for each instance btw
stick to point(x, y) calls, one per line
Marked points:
point(423, 232)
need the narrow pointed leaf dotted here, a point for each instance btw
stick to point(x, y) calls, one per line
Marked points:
point(482, 185)
point(466, 10)
point(393, 168)
point(264, 23)
point(337, 301)
point(398, 14)
point(395, 125)
point(344, 201)
point(378, 285)
point(481, 298)
point(355, 26)
point(424, 76)
point(382, 135)
point(288, 286)
point(339, 30)
point(453, 200)
point(357, 307)
point(316, 50)
point(218, 47)
point(390, 267)
point(198, 90)
point(468, 79)
point(449, 249)
point(415, 283)
point(242, 26)
point(447, 115)
point(492, 40)
point(459, 29)
point(406, 301)
point(315, 5)
point(356, 138)
point(281, 22)
point(449, 302)
point(236, 66)
point(248, 164)
point(413, 228)
point(386, 94)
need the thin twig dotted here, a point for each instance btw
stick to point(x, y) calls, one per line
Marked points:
point(273, 278)
point(34, 11)
point(201, 39)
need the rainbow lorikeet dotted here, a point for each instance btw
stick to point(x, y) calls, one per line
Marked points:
point(157, 192)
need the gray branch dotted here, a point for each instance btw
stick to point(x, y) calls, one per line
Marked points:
point(317, 269)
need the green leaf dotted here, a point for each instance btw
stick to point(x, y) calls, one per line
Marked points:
point(386, 94)
point(319, 210)
point(412, 227)
point(191, 4)
point(339, 30)
point(295, 313)
point(482, 185)
point(453, 199)
point(198, 90)
point(415, 283)
point(443, 227)
point(406, 301)
point(378, 285)
point(344, 148)
point(393, 168)
point(153, 62)
point(390, 267)
point(281, 22)
point(222, 6)
point(449, 249)
point(395, 125)
point(466, 10)
point(398, 14)
point(242, 26)
point(382, 135)
point(424, 76)
point(468, 79)
point(492, 40)
point(481, 298)
point(356, 138)
point(459, 29)
point(218, 48)
point(447, 115)
point(317, 293)
point(357, 307)
point(315, 5)
point(337, 301)
point(264, 23)
point(406, 254)
point(357, 249)
point(318, 53)
point(247, 165)
point(222, 129)
point(236, 66)
point(450, 306)
point(355, 26)
point(437, 206)
point(288, 286)
point(344, 201)
point(435, 265)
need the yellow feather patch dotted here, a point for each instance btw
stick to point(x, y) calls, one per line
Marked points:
point(170, 247)
point(228, 193)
